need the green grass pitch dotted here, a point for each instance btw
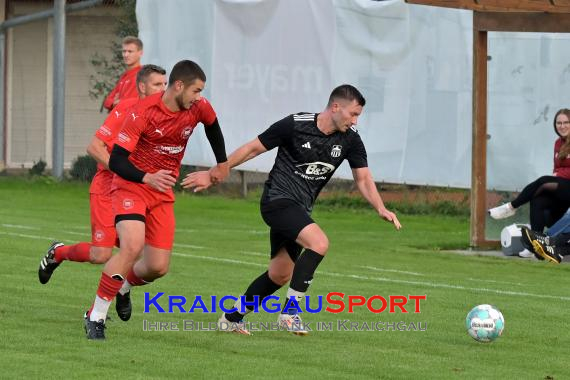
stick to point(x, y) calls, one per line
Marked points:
point(221, 245)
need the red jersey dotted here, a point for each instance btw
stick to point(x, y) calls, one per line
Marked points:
point(101, 183)
point(561, 167)
point(157, 137)
point(126, 87)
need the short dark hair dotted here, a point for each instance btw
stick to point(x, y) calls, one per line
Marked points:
point(133, 40)
point(346, 92)
point(186, 71)
point(146, 70)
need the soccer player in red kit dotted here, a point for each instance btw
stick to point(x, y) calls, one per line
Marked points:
point(151, 79)
point(146, 159)
point(125, 88)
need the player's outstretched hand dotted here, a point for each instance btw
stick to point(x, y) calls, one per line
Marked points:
point(390, 217)
point(219, 172)
point(162, 180)
point(198, 181)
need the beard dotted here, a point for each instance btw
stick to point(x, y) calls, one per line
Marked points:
point(180, 102)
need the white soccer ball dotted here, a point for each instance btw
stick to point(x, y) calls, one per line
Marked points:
point(485, 323)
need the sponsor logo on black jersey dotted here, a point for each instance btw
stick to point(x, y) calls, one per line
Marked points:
point(317, 168)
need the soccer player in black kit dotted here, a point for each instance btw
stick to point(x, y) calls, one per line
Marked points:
point(311, 147)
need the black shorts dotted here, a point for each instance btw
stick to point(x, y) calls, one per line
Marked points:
point(286, 220)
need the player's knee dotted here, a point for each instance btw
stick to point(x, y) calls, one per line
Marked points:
point(131, 249)
point(101, 255)
point(279, 278)
point(158, 269)
point(321, 246)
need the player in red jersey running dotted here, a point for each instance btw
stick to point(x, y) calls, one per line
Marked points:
point(125, 88)
point(150, 80)
point(146, 159)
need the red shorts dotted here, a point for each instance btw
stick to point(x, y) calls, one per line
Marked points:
point(131, 198)
point(103, 232)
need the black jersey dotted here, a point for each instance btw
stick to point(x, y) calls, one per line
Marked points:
point(307, 158)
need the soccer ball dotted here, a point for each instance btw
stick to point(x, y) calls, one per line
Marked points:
point(485, 323)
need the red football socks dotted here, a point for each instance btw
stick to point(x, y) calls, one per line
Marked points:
point(78, 252)
point(108, 287)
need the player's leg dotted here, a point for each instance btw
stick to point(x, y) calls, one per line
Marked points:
point(295, 229)
point(130, 209)
point(316, 246)
point(131, 234)
point(153, 264)
point(155, 260)
point(103, 232)
point(277, 275)
point(97, 252)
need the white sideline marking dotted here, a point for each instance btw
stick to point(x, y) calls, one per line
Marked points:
point(28, 236)
point(219, 259)
point(496, 282)
point(392, 270)
point(185, 230)
point(78, 228)
point(351, 276)
point(254, 253)
point(448, 286)
point(189, 246)
point(36, 237)
point(19, 226)
point(382, 279)
point(76, 233)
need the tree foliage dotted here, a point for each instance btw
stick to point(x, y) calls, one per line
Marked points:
point(108, 71)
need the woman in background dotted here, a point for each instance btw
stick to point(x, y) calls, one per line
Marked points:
point(549, 196)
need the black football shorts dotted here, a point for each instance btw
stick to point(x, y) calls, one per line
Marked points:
point(286, 220)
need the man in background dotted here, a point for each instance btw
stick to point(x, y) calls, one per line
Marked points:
point(126, 85)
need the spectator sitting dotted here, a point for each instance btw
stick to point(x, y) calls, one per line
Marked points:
point(549, 196)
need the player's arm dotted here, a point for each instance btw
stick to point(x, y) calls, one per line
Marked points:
point(120, 164)
point(109, 101)
point(214, 134)
point(202, 180)
point(367, 187)
point(276, 134)
point(98, 150)
point(246, 152)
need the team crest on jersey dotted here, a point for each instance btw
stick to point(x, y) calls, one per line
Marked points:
point(336, 151)
point(128, 204)
point(99, 235)
point(186, 132)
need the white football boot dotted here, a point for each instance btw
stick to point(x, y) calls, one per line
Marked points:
point(235, 327)
point(292, 323)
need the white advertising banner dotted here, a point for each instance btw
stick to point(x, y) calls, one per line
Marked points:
point(266, 59)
